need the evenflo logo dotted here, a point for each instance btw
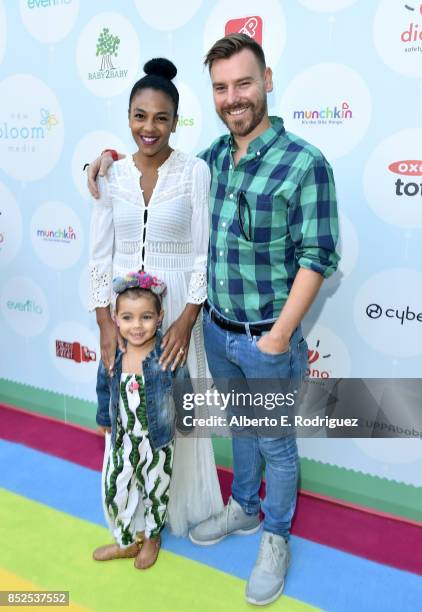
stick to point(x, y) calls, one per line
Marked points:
point(36, 4)
point(329, 115)
point(251, 26)
point(407, 168)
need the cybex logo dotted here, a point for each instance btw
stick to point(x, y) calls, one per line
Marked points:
point(375, 311)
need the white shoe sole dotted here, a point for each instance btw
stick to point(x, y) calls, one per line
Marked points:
point(265, 602)
point(216, 540)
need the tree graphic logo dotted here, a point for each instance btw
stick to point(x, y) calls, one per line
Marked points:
point(107, 46)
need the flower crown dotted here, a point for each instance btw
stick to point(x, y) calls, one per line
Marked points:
point(140, 279)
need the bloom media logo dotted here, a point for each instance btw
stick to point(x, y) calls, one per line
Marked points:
point(314, 356)
point(409, 167)
point(74, 351)
point(23, 134)
point(59, 235)
point(336, 115)
point(251, 26)
point(107, 48)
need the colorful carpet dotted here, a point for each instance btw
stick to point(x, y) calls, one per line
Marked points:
point(51, 520)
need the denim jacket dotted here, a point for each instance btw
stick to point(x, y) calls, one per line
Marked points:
point(161, 394)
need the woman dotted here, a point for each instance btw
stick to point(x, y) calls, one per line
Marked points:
point(153, 214)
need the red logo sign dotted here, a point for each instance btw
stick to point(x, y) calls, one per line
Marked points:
point(74, 351)
point(313, 356)
point(252, 26)
point(407, 167)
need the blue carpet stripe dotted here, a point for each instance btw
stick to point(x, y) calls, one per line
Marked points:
point(324, 577)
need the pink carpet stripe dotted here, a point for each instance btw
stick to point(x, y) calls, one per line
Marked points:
point(360, 531)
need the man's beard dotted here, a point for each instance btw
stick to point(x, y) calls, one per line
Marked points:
point(242, 127)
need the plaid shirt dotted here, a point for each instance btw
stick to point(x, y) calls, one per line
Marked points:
point(271, 214)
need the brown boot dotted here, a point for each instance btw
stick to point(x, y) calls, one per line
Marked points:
point(113, 551)
point(148, 554)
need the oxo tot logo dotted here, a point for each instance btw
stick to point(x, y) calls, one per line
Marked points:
point(407, 168)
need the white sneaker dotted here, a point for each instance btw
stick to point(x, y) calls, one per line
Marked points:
point(266, 581)
point(232, 519)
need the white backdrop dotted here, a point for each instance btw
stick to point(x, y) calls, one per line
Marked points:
point(348, 77)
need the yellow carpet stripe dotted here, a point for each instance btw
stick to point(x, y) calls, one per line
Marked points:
point(53, 550)
point(11, 582)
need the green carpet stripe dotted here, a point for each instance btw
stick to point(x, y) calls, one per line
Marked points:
point(53, 549)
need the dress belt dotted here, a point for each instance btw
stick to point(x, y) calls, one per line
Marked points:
point(255, 329)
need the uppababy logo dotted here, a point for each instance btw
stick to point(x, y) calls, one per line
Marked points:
point(375, 311)
point(329, 115)
point(58, 235)
point(251, 26)
point(314, 355)
point(107, 48)
point(74, 351)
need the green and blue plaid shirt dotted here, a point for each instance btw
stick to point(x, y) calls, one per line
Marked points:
point(271, 214)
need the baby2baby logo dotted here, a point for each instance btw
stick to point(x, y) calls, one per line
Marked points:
point(107, 49)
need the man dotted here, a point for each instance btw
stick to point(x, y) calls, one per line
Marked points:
point(272, 241)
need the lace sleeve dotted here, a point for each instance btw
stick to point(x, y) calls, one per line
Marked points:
point(197, 291)
point(101, 247)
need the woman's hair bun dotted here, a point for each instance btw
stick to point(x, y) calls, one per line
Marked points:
point(161, 67)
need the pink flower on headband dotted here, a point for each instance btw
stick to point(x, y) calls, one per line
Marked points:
point(139, 279)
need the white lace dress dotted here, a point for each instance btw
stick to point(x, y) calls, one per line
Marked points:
point(168, 238)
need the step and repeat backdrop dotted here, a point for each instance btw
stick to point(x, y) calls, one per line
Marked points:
point(347, 77)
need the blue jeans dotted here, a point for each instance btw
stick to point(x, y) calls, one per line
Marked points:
point(236, 356)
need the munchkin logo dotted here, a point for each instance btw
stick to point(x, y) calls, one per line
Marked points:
point(251, 26)
point(24, 135)
point(59, 235)
point(328, 115)
point(74, 351)
point(314, 356)
point(408, 168)
point(412, 36)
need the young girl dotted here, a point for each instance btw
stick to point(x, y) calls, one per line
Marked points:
point(136, 401)
point(152, 215)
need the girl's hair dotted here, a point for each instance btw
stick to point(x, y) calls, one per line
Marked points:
point(139, 284)
point(135, 293)
point(159, 73)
